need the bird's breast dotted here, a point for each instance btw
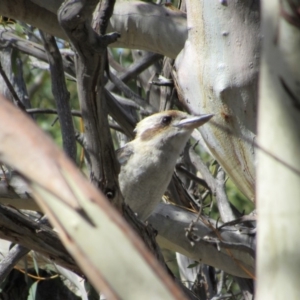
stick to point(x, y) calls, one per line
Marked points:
point(144, 179)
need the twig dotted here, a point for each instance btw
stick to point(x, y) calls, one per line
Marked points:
point(136, 68)
point(52, 111)
point(120, 85)
point(192, 176)
point(75, 113)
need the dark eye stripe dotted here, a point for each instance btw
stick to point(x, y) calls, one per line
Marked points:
point(166, 120)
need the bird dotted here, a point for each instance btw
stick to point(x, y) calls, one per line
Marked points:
point(148, 161)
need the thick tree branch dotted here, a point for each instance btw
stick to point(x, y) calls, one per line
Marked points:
point(18, 228)
point(75, 18)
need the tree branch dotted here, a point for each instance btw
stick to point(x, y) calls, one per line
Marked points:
point(61, 95)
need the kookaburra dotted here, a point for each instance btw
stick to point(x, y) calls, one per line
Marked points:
point(148, 161)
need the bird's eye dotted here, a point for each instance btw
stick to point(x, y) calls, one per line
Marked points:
point(166, 120)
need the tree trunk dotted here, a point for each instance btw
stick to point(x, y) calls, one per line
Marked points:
point(218, 73)
point(278, 169)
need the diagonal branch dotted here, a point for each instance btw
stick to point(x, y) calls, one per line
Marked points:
point(61, 95)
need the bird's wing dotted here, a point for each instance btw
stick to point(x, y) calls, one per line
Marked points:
point(124, 153)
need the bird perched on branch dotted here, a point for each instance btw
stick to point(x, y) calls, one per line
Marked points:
point(148, 162)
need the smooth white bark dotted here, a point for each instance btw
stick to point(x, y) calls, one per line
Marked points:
point(144, 26)
point(149, 27)
point(171, 223)
point(278, 169)
point(217, 73)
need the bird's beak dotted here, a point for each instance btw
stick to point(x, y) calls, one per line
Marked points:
point(192, 122)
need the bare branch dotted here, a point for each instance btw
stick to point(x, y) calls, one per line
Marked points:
point(61, 95)
point(18, 228)
point(136, 68)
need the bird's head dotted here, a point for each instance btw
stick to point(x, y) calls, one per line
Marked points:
point(168, 128)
